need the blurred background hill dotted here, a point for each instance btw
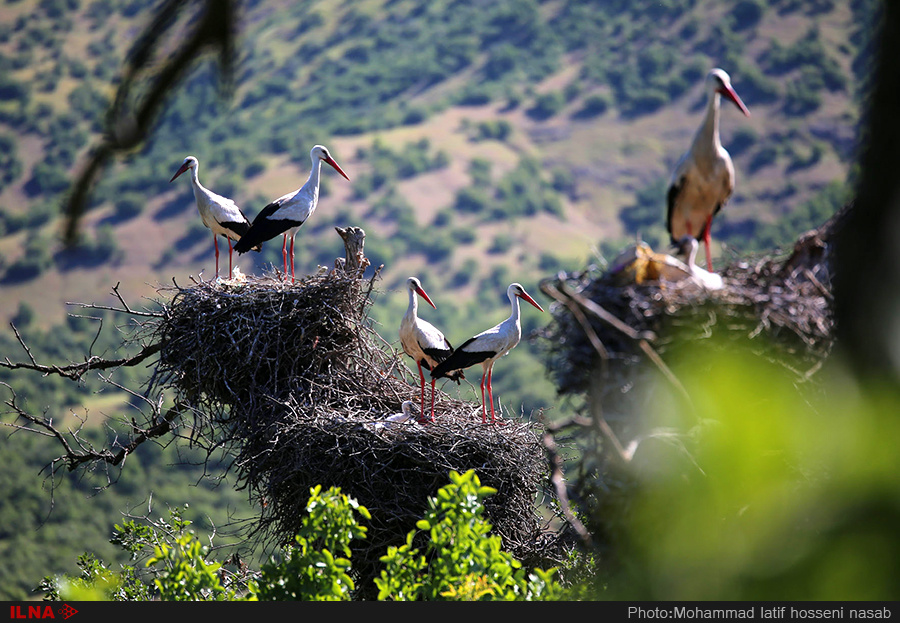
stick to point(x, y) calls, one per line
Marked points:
point(486, 142)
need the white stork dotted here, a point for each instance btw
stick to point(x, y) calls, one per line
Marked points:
point(219, 214)
point(397, 418)
point(703, 179)
point(423, 341)
point(286, 214)
point(688, 246)
point(488, 346)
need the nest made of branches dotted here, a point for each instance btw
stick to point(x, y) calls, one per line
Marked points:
point(291, 379)
point(782, 301)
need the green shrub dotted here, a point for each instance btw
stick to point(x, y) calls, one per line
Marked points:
point(461, 561)
point(594, 105)
point(316, 566)
point(547, 105)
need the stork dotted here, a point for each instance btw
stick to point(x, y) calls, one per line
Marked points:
point(688, 246)
point(218, 213)
point(488, 346)
point(397, 418)
point(703, 179)
point(423, 341)
point(286, 214)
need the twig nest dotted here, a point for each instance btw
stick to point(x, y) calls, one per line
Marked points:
point(292, 378)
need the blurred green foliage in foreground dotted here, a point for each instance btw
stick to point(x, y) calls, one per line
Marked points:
point(789, 491)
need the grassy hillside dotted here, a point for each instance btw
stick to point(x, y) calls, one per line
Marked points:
point(486, 143)
point(547, 130)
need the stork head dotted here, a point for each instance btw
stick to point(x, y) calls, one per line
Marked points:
point(413, 284)
point(189, 163)
point(516, 289)
point(320, 152)
point(719, 82)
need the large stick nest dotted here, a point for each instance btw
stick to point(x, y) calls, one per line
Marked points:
point(291, 378)
point(785, 300)
point(610, 341)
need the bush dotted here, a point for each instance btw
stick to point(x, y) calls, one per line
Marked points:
point(747, 14)
point(501, 243)
point(128, 206)
point(765, 156)
point(315, 567)
point(497, 130)
point(461, 560)
point(594, 105)
point(471, 199)
point(743, 139)
point(546, 105)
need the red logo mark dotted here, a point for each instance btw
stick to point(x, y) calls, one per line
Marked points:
point(40, 612)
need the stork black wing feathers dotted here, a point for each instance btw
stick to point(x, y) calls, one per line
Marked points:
point(672, 195)
point(440, 355)
point(241, 229)
point(264, 228)
point(460, 360)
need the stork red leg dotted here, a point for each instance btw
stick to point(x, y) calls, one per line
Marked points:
point(230, 251)
point(483, 404)
point(284, 254)
point(422, 394)
point(292, 259)
point(216, 247)
point(491, 392)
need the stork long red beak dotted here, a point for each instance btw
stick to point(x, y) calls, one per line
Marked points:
point(525, 296)
point(421, 293)
point(337, 168)
point(730, 94)
point(184, 167)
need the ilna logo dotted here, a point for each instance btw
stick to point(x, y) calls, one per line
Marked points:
point(40, 612)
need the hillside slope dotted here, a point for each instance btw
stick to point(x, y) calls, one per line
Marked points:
point(551, 129)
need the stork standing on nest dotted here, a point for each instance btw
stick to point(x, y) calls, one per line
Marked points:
point(703, 179)
point(488, 346)
point(423, 341)
point(285, 215)
point(218, 213)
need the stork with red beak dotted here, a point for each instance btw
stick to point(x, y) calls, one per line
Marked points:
point(218, 213)
point(423, 341)
point(703, 179)
point(487, 347)
point(285, 215)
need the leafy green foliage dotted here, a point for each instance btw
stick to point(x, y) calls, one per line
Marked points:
point(187, 575)
point(461, 560)
point(791, 492)
point(96, 582)
point(468, 563)
point(316, 566)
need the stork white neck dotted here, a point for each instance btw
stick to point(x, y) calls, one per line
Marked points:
point(198, 188)
point(413, 309)
point(312, 183)
point(514, 302)
point(707, 142)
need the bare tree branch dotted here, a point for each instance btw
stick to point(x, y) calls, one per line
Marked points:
point(127, 129)
point(77, 370)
